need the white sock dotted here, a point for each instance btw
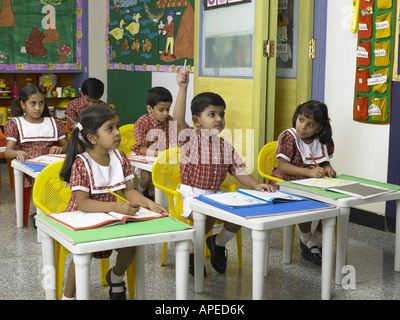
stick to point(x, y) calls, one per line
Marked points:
point(305, 237)
point(116, 279)
point(223, 237)
point(66, 298)
point(316, 240)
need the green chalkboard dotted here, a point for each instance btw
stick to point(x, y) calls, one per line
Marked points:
point(127, 92)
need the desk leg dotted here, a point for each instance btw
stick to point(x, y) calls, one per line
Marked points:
point(139, 273)
point(181, 268)
point(341, 246)
point(158, 196)
point(260, 254)
point(19, 197)
point(82, 264)
point(199, 226)
point(49, 278)
point(397, 239)
point(287, 244)
point(328, 241)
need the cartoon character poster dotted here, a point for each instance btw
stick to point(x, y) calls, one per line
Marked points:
point(150, 35)
point(40, 35)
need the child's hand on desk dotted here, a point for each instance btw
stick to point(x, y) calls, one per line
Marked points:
point(157, 208)
point(264, 187)
point(126, 208)
point(329, 172)
point(317, 172)
point(22, 155)
point(55, 150)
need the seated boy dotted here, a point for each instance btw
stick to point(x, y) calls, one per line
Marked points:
point(153, 132)
point(91, 92)
point(205, 161)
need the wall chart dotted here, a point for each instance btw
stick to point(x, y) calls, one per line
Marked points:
point(376, 44)
point(150, 35)
point(40, 35)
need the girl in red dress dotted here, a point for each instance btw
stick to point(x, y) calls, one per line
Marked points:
point(92, 165)
point(299, 149)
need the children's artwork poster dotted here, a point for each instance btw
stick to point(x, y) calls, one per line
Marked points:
point(216, 4)
point(41, 35)
point(375, 52)
point(150, 35)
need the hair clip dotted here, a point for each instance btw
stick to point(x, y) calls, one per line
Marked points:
point(328, 120)
point(79, 126)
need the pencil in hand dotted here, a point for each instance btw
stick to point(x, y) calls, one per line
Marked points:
point(118, 196)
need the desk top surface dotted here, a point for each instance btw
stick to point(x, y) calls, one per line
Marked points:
point(130, 229)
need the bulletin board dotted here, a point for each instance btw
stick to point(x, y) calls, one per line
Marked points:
point(40, 35)
point(375, 60)
point(152, 35)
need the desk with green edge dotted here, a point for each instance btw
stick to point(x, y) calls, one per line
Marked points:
point(82, 243)
point(345, 202)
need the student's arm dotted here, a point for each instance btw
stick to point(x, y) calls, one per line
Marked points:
point(250, 182)
point(11, 153)
point(135, 197)
point(180, 106)
point(286, 167)
point(89, 205)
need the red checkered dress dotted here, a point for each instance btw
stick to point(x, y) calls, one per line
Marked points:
point(154, 134)
point(75, 107)
point(39, 147)
point(80, 178)
point(206, 160)
point(288, 147)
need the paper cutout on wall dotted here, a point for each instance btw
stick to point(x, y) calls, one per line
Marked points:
point(7, 18)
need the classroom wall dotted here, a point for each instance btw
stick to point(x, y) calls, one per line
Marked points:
point(361, 149)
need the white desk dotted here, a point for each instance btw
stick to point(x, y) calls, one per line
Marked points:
point(261, 229)
point(82, 254)
point(344, 205)
point(19, 171)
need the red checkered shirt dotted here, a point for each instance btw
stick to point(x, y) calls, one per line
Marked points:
point(75, 107)
point(206, 160)
point(39, 147)
point(287, 146)
point(80, 177)
point(154, 134)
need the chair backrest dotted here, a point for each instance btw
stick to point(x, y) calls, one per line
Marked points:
point(166, 177)
point(127, 138)
point(267, 161)
point(50, 194)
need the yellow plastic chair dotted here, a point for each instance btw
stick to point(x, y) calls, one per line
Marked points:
point(51, 194)
point(127, 138)
point(266, 162)
point(166, 177)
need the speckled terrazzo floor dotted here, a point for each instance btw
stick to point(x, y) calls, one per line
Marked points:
point(370, 252)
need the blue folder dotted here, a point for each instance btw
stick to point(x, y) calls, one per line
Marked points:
point(271, 209)
point(34, 166)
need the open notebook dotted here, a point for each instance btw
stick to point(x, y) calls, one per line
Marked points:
point(249, 198)
point(78, 220)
